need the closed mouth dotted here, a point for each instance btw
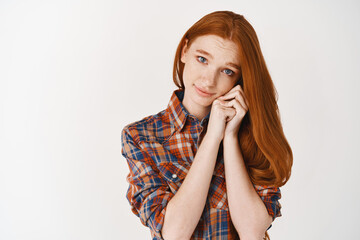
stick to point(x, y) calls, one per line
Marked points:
point(203, 91)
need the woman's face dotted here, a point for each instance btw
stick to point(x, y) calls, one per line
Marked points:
point(212, 68)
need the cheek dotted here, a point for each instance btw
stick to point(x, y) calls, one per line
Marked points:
point(187, 76)
point(195, 68)
point(227, 86)
point(190, 72)
point(185, 72)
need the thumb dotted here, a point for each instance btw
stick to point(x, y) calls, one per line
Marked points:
point(230, 113)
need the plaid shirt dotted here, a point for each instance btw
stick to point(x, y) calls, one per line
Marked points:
point(159, 150)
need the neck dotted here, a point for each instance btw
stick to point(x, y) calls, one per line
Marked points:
point(198, 111)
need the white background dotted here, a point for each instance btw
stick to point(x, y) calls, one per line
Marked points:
point(74, 73)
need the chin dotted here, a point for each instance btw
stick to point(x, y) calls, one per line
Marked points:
point(205, 102)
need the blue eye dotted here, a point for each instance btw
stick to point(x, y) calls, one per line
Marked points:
point(201, 59)
point(230, 73)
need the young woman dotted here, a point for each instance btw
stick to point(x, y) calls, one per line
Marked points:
point(210, 165)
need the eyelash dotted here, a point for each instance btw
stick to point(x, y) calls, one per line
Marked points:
point(200, 57)
point(232, 72)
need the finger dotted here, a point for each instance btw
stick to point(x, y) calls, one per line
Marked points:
point(217, 101)
point(231, 93)
point(230, 113)
point(236, 105)
point(238, 96)
point(234, 89)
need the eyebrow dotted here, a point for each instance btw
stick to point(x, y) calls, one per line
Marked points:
point(208, 54)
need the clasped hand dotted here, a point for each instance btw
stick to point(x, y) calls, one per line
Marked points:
point(227, 112)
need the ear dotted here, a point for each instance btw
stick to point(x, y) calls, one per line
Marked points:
point(184, 51)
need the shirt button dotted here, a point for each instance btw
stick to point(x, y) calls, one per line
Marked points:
point(174, 176)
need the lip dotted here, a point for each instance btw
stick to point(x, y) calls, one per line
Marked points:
point(202, 92)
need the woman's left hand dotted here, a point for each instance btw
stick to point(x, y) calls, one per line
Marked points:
point(235, 98)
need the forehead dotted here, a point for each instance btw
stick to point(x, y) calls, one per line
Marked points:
point(217, 46)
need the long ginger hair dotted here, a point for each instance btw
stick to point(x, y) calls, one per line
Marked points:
point(266, 152)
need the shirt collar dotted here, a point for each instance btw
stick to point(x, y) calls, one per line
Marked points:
point(177, 111)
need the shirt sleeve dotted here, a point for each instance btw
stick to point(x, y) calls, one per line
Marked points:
point(148, 193)
point(270, 196)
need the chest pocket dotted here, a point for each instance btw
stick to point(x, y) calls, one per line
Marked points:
point(173, 173)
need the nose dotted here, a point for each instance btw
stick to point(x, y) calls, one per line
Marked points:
point(210, 77)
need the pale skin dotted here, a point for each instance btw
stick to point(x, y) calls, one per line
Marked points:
point(228, 106)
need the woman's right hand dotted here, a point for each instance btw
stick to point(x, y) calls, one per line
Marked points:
point(219, 116)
